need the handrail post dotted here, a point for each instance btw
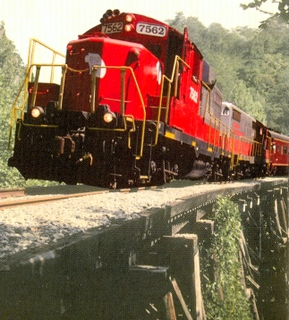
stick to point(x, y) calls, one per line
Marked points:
point(93, 88)
point(35, 87)
point(176, 78)
point(168, 101)
point(62, 84)
point(31, 58)
point(52, 69)
point(122, 90)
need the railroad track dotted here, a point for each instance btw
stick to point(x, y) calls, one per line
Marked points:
point(30, 196)
point(18, 197)
point(15, 192)
point(33, 200)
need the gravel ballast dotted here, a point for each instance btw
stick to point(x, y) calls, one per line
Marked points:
point(30, 226)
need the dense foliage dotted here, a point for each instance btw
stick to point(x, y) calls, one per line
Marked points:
point(224, 295)
point(251, 67)
point(12, 72)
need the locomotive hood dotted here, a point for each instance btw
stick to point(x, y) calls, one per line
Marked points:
point(108, 57)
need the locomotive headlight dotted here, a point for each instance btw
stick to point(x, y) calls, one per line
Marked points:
point(108, 117)
point(37, 112)
point(128, 27)
point(129, 18)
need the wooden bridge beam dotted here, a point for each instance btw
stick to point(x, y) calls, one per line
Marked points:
point(186, 253)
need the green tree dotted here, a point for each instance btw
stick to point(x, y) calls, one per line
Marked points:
point(264, 70)
point(12, 73)
point(282, 13)
point(225, 296)
point(248, 100)
point(278, 95)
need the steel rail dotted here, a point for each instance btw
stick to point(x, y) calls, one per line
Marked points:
point(33, 200)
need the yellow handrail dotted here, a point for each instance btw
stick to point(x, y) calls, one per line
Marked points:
point(127, 117)
point(31, 56)
point(18, 104)
point(170, 81)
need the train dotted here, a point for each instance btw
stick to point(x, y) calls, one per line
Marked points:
point(135, 104)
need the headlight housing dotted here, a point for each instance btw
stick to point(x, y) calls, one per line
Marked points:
point(109, 117)
point(37, 112)
point(104, 117)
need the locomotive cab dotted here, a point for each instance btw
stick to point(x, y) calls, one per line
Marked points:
point(113, 73)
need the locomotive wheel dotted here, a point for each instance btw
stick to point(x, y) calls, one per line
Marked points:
point(168, 172)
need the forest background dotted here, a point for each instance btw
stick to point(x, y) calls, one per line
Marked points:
point(251, 66)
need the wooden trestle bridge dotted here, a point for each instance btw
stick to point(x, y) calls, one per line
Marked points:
point(149, 268)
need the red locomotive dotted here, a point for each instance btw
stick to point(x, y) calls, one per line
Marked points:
point(135, 104)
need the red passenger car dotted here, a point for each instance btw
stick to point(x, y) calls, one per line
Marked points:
point(278, 153)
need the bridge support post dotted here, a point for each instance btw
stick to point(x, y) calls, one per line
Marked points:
point(148, 287)
point(274, 285)
point(169, 307)
point(185, 255)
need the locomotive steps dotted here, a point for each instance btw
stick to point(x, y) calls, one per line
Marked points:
point(150, 267)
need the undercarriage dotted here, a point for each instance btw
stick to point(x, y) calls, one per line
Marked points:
point(99, 157)
point(116, 158)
